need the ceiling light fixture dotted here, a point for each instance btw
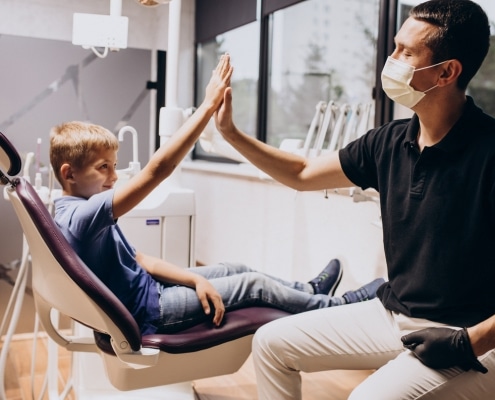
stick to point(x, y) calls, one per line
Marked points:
point(153, 3)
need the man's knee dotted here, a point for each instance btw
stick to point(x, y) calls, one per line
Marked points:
point(266, 341)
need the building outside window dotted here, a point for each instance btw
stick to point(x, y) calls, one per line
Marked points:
point(321, 50)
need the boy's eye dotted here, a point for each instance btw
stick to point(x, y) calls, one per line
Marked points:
point(104, 166)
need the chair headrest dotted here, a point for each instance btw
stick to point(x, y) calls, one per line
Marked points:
point(10, 161)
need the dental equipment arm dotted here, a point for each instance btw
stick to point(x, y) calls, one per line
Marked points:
point(211, 142)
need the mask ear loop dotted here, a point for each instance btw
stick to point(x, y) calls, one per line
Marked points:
point(430, 66)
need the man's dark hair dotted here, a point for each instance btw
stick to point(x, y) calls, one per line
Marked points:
point(463, 33)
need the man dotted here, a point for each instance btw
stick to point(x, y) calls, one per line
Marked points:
point(435, 174)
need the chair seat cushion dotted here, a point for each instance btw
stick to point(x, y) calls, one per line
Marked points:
point(236, 324)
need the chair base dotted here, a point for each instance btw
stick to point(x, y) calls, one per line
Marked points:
point(91, 382)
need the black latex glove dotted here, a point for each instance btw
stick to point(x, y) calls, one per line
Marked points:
point(440, 348)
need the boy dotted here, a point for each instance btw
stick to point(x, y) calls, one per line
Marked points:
point(163, 297)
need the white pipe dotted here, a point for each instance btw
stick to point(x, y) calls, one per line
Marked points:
point(171, 91)
point(133, 131)
point(153, 110)
point(116, 7)
point(27, 165)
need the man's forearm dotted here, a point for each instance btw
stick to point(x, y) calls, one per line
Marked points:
point(482, 336)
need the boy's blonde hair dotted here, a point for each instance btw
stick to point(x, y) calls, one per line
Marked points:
point(77, 143)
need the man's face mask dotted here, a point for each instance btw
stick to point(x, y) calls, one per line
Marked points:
point(396, 79)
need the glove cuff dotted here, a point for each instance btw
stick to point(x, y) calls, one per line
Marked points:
point(465, 343)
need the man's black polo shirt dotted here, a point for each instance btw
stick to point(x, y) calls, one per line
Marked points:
point(438, 211)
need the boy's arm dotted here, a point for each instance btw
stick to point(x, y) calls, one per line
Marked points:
point(168, 156)
point(297, 172)
point(171, 273)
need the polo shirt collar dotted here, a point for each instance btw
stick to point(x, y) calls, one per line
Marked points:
point(457, 138)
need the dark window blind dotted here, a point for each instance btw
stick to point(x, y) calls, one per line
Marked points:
point(214, 17)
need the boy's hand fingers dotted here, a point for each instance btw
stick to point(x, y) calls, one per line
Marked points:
point(206, 305)
point(219, 309)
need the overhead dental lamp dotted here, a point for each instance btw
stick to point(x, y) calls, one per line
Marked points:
point(153, 3)
point(92, 31)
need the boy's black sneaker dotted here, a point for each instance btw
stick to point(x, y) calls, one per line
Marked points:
point(328, 279)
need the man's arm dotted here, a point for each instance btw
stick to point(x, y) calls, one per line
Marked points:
point(482, 336)
point(167, 272)
point(168, 156)
point(297, 172)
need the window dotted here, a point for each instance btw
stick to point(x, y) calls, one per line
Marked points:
point(288, 56)
point(482, 86)
point(243, 46)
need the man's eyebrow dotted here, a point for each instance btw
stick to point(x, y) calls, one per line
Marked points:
point(411, 47)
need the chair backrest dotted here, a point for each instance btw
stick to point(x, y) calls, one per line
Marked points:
point(61, 280)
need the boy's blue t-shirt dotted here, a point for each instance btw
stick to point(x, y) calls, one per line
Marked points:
point(90, 228)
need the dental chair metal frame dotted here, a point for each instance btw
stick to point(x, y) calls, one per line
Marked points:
point(61, 281)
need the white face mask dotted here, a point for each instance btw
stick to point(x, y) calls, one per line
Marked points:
point(396, 79)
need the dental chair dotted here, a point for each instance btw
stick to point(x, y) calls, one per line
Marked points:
point(62, 282)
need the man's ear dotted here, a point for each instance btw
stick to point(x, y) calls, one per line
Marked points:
point(450, 72)
point(66, 172)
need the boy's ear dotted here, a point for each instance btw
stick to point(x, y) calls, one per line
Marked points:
point(66, 172)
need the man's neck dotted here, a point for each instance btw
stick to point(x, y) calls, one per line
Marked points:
point(436, 119)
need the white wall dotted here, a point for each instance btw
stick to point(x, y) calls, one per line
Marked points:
point(274, 229)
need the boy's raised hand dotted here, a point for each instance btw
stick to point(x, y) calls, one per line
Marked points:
point(219, 81)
